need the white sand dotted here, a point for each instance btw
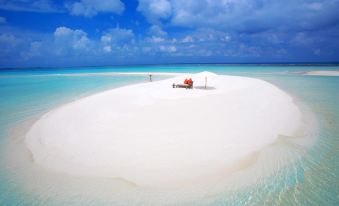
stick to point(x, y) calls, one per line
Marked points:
point(156, 136)
point(323, 73)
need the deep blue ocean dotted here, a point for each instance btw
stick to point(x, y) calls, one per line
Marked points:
point(311, 178)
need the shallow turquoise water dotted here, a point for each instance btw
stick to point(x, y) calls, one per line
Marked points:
point(312, 178)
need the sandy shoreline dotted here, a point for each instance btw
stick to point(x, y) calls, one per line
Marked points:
point(157, 136)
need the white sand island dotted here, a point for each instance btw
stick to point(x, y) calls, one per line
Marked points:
point(156, 136)
point(323, 73)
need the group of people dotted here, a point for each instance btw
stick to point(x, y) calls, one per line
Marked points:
point(188, 84)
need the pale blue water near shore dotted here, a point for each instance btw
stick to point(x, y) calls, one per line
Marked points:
point(310, 179)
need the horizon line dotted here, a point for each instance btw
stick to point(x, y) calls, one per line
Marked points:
point(186, 64)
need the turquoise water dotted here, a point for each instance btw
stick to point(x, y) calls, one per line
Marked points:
point(311, 178)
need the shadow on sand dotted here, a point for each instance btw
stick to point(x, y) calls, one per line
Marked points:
point(205, 88)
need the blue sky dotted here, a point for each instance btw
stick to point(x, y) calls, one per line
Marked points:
point(114, 32)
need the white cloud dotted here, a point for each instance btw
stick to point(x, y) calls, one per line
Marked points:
point(34, 50)
point(117, 39)
point(62, 31)
point(192, 13)
point(155, 9)
point(188, 39)
point(117, 36)
point(155, 39)
point(169, 49)
point(11, 46)
point(67, 39)
point(107, 49)
point(226, 38)
point(209, 35)
point(242, 16)
point(106, 38)
point(9, 39)
point(90, 8)
point(30, 6)
point(157, 31)
point(3, 20)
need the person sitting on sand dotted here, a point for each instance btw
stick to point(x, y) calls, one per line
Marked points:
point(186, 81)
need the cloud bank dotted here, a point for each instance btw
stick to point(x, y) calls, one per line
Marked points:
point(164, 31)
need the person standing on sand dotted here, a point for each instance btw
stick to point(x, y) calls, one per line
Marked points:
point(150, 77)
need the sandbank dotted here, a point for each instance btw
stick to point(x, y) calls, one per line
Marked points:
point(153, 135)
point(323, 73)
